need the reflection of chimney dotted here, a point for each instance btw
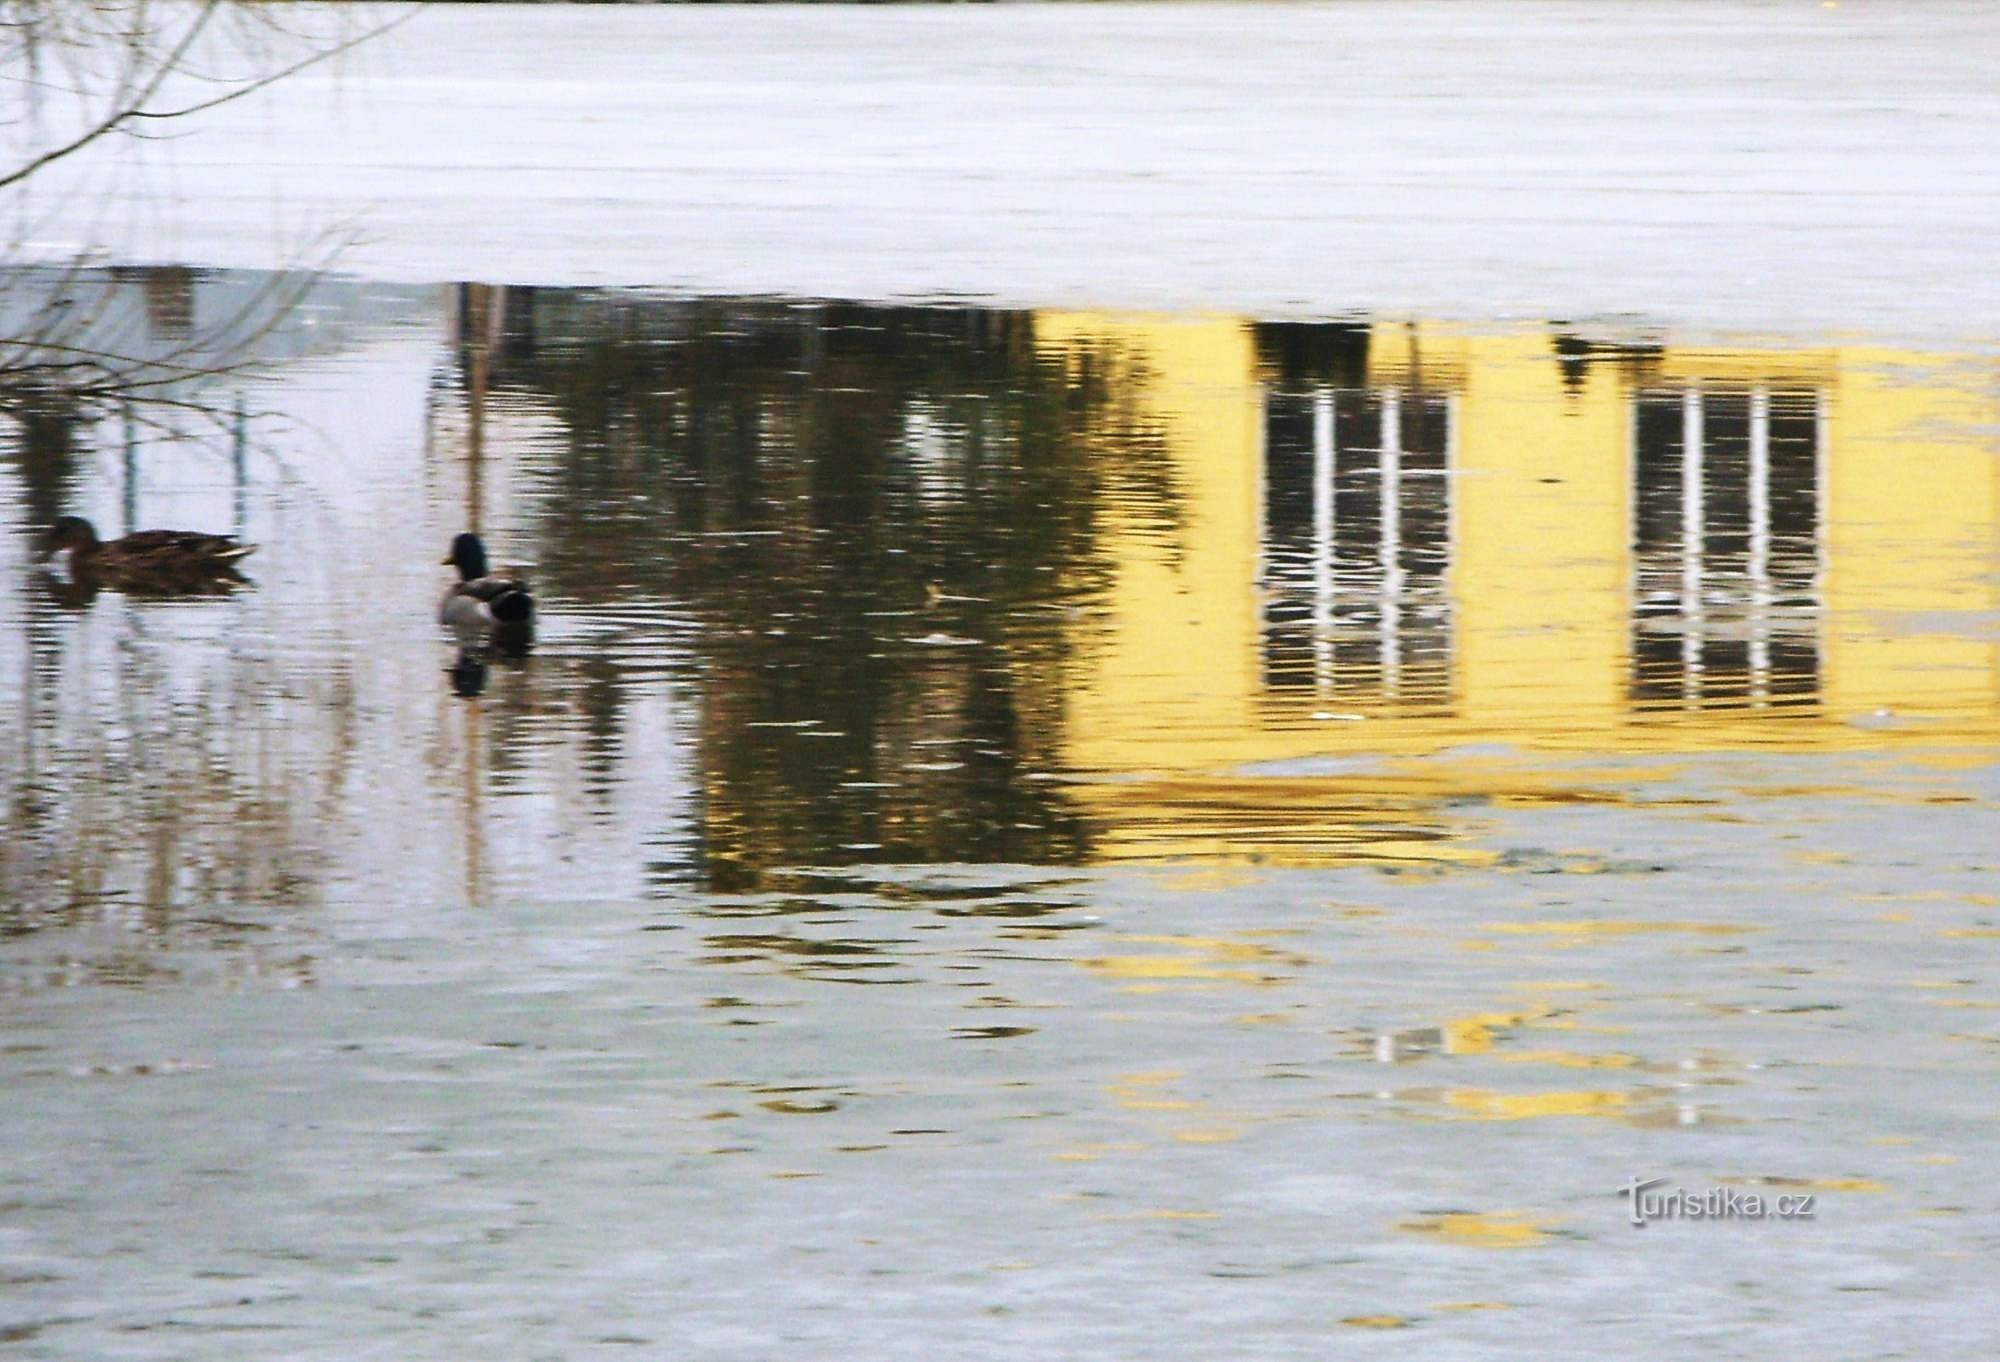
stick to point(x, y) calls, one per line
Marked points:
point(169, 294)
point(1576, 354)
point(170, 302)
point(1573, 356)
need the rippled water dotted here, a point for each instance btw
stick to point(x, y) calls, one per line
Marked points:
point(1320, 806)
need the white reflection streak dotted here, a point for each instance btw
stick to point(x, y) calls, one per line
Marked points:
point(1760, 547)
point(1324, 459)
point(1691, 536)
point(1392, 539)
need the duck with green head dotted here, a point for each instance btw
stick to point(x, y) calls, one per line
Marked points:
point(498, 607)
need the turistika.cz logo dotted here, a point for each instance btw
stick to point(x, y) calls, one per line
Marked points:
point(1712, 1203)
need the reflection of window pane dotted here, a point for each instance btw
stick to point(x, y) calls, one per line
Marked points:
point(1356, 532)
point(1794, 442)
point(1726, 548)
point(1725, 481)
point(1288, 481)
point(1658, 431)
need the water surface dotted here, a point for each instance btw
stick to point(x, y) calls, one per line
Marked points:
point(1018, 827)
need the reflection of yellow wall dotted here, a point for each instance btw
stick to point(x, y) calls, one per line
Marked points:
point(1913, 503)
point(1180, 652)
point(1539, 569)
point(1169, 676)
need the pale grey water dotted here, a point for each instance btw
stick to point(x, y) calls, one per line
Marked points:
point(1753, 166)
point(966, 871)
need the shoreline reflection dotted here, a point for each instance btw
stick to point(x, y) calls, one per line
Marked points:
point(837, 585)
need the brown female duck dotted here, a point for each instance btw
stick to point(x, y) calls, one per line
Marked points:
point(151, 559)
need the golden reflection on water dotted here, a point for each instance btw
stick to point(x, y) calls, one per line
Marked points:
point(954, 585)
point(1498, 1230)
point(1407, 538)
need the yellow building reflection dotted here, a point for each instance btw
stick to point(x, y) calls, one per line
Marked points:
point(1398, 539)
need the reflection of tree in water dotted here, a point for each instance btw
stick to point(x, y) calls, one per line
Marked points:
point(879, 517)
point(149, 769)
point(146, 783)
point(140, 780)
point(46, 451)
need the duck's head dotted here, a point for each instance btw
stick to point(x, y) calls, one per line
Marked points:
point(72, 532)
point(468, 555)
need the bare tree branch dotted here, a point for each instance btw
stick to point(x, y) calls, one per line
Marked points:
point(148, 54)
point(124, 104)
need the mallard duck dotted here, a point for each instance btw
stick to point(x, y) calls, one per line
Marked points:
point(151, 559)
point(481, 603)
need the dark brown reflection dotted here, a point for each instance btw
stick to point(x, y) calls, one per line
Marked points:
point(1727, 557)
point(876, 516)
point(1356, 531)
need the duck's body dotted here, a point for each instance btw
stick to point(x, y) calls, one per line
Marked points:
point(151, 559)
point(483, 603)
